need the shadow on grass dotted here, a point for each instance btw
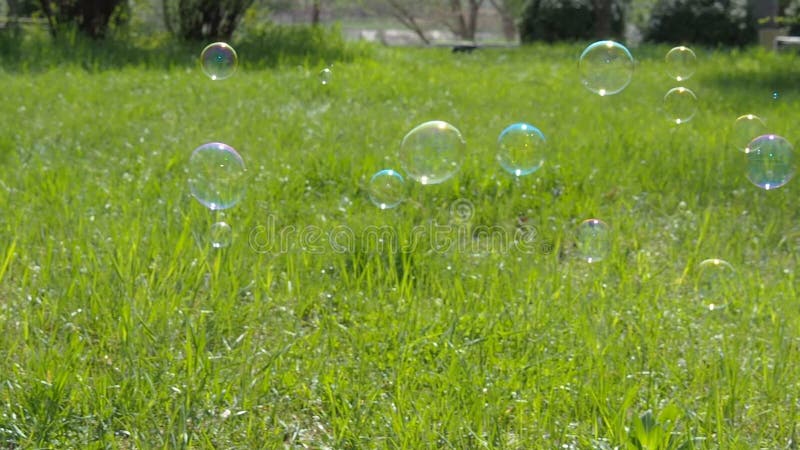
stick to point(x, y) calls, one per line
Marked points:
point(759, 71)
point(269, 46)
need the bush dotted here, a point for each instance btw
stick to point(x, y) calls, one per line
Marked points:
point(708, 22)
point(554, 20)
point(93, 18)
point(271, 45)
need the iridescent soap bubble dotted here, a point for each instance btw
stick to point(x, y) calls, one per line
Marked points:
point(681, 63)
point(221, 235)
point(325, 76)
point(745, 129)
point(770, 161)
point(593, 240)
point(714, 283)
point(521, 149)
point(680, 104)
point(387, 189)
point(216, 175)
point(432, 152)
point(606, 67)
point(219, 60)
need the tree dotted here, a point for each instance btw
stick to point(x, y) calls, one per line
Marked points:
point(409, 17)
point(92, 17)
point(509, 10)
point(602, 18)
point(459, 16)
point(463, 19)
point(201, 20)
point(316, 11)
point(21, 8)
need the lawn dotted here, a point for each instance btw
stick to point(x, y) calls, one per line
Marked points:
point(122, 327)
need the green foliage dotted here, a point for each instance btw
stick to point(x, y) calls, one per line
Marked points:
point(555, 20)
point(708, 22)
point(23, 8)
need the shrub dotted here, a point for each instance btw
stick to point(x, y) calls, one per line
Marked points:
point(93, 18)
point(709, 22)
point(554, 20)
point(271, 45)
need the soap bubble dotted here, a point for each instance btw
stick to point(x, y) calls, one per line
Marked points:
point(770, 161)
point(462, 211)
point(745, 129)
point(606, 67)
point(715, 283)
point(681, 63)
point(593, 240)
point(680, 104)
point(521, 149)
point(432, 152)
point(216, 175)
point(325, 76)
point(221, 235)
point(219, 60)
point(387, 189)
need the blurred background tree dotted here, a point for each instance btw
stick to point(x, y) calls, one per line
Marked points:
point(203, 20)
point(91, 17)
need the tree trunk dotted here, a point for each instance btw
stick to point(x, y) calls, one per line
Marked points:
point(13, 13)
point(316, 11)
point(51, 21)
point(602, 19)
point(460, 27)
point(408, 19)
point(472, 20)
point(765, 9)
point(509, 28)
point(507, 19)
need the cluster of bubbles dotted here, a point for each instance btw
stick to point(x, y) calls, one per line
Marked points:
point(216, 170)
point(770, 157)
point(433, 152)
point(216, 180)
point(680, 103)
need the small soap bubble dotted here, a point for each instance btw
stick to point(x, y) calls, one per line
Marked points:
point(462, 211)
point(745, 129)
point(219, 60)
point(522, 149)
point(681, 63)
point(714, 283)
point(325, 76)
point(680, 105)
point(432, 152)
point(221, 235)
point(606, 67)
point(593, 240)
point(216, 175)
point(387, 189)
point(770, 161)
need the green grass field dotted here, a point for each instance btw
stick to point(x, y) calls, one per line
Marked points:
point(122, 328)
